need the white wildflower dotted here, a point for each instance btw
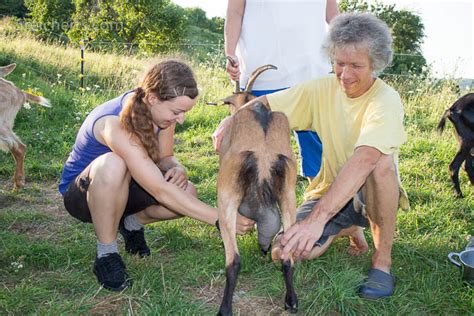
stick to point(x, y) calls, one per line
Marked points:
point(16, 266)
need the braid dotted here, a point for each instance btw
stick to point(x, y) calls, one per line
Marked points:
point(136, 118)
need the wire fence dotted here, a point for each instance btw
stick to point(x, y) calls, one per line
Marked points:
point(88, 81)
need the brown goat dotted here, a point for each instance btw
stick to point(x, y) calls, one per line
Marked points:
point(461, 114)
point(257, 175)
point(11, 100)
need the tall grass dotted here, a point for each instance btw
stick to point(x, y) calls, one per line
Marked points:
point(46, 256)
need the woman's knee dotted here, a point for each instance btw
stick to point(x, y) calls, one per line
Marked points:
point(109, 170)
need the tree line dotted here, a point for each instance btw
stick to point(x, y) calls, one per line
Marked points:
point(155, 26)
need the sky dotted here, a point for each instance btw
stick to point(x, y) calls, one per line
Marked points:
point(449, 31)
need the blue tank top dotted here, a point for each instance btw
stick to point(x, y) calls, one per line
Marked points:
point(87, 148)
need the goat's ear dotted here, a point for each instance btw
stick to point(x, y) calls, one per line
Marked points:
point(232, 99)
point(5, 70)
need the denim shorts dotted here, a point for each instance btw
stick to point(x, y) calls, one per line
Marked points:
point(348, 216)
point(75, 199)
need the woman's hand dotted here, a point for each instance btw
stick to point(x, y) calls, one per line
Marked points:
point(219, 133)
point(233, 69)
point(177, 176)
point(300, 238)
point(244, 224)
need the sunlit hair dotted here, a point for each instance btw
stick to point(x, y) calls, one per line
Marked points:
point(361, 29)
point(167, 80)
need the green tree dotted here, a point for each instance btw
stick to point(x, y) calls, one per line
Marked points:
point(197, 17)
point(407, 32)
point(150, 25)
point(217, 25)
point(49, 17)
point(13, 8)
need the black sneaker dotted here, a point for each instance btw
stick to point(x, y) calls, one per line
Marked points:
point(111, 273)
point(135, 242)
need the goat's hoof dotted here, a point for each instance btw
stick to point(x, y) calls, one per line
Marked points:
point(18, 185)
point(292, 309)
point(276, 251)
point(224, 313)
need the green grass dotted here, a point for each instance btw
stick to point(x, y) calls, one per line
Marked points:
point(46, 256)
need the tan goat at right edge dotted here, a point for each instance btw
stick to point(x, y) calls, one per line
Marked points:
point(257, 175)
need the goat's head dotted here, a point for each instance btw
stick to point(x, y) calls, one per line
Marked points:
point(239, 98)
point(5, 70)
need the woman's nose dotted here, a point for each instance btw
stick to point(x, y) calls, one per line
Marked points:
point(345, 72)
point(180, 118)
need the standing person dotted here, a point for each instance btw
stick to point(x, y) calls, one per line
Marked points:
point(287, 34)
point(122, 173)
point(360, 120)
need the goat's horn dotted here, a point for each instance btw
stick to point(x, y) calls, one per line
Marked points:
point(237, 83)
point(255, 74)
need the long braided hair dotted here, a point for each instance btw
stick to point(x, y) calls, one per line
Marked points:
point(167, 80)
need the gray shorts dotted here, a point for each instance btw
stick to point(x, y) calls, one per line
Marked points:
point(346, 217)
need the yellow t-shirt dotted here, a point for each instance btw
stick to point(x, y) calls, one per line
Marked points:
point(374, 119)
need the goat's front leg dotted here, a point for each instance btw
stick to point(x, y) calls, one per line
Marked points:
point(454, 169)
point(228, 205)
point(288, 211)
point(18, 151)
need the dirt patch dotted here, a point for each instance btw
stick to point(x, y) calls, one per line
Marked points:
point(44, 195)
point(243, 302)
point(43, 198)
point(111, 304)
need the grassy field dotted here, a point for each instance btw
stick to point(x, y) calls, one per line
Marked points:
point(46, 256)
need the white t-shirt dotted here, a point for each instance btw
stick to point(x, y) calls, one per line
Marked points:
point(287, 34)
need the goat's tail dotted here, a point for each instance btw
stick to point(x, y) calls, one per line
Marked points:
point(37, 99)
point(442, 123)
point(5, 70)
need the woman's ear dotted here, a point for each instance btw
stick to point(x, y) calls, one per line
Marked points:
point(151, 99)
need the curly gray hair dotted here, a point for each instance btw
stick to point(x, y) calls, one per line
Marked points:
point(361, 28)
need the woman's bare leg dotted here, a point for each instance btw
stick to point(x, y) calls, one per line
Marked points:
point(107, 194)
